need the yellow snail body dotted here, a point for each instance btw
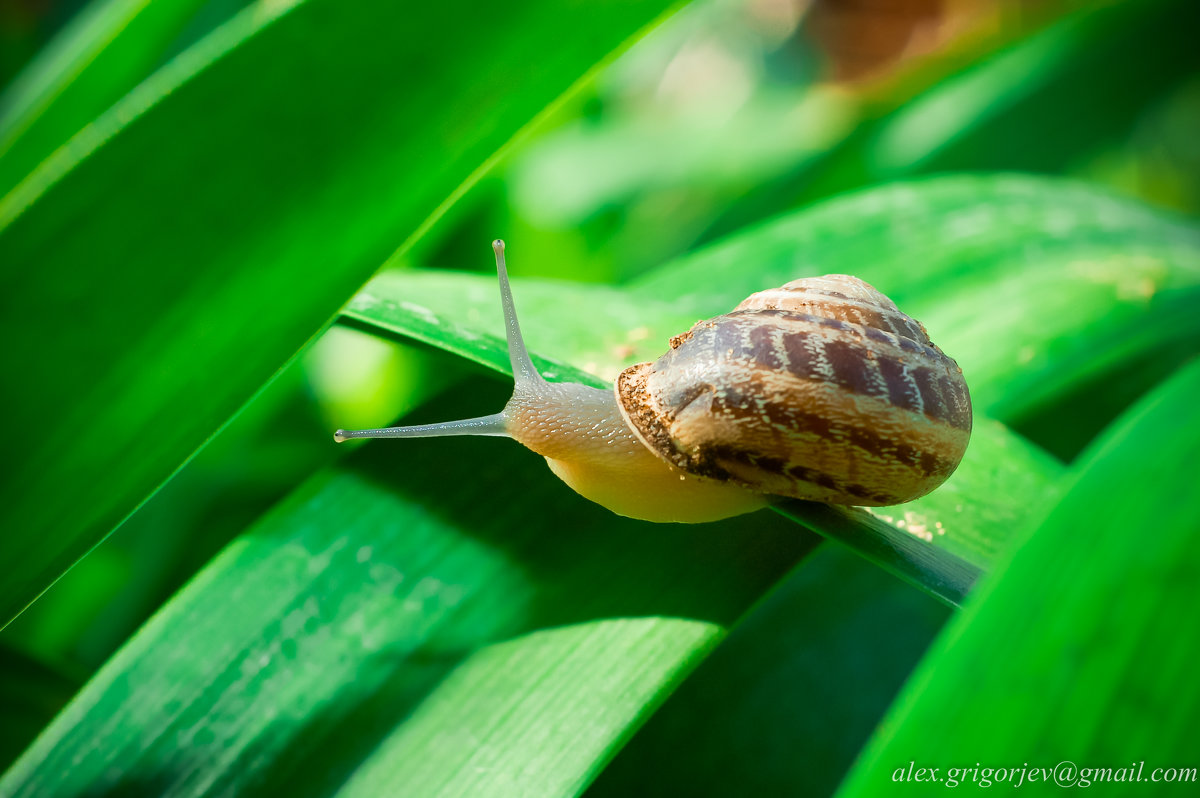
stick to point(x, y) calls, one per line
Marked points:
point(821, 390)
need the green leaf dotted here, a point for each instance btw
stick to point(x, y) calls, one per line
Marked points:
point(541, 714)
point(103, 52)
point(398, 629)
point(967, 520)
point(208, 225)
point(1100, 675)
point(1108, 283)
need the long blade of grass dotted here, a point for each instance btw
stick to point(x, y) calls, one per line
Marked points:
point(231, 243)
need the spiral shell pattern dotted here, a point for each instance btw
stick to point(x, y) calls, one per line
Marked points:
point(821, 389)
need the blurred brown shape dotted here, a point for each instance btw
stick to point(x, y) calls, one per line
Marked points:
point(864, 39)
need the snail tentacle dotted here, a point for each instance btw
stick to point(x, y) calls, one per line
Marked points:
point(518, 355)
point(529, 383)
point(483, 425)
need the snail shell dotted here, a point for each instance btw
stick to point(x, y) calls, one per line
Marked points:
point(822, 389)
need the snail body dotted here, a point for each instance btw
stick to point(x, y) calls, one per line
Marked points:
point(820, 389)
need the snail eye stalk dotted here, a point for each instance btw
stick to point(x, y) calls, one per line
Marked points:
point(524, 373)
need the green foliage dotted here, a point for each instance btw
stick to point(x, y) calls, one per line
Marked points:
point(444, 617)
point(271, 188)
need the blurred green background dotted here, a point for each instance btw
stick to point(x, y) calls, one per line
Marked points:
point(726, 115)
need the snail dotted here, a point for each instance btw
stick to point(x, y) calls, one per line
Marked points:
point(820, 389)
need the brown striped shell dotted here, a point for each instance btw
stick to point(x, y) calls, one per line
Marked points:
point(822, 389)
